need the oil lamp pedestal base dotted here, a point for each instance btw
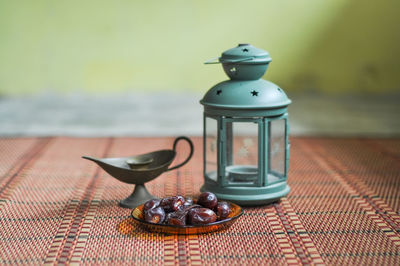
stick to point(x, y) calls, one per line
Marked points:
point(139, 196)
point(249, 196)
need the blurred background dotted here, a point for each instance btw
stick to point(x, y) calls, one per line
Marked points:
point(115, 68)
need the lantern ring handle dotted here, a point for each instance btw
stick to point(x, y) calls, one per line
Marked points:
point(190, 154)
point(213, 60)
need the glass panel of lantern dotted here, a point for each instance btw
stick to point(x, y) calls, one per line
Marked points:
point(211, 148)
point(276, 151)
point(241, 166)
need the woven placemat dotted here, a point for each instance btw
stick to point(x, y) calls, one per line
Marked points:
point(58, 208)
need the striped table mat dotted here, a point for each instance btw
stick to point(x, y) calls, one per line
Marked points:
point(58, 208)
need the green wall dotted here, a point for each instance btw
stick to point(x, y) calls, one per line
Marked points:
point(114, 46)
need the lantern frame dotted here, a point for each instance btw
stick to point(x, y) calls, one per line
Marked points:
point(264, 144)
point(246, 98)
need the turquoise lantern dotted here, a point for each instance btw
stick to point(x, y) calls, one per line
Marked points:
point(246, 128)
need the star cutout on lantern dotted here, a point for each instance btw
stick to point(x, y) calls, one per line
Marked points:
point(275, 149)
point(245, 50)
point(213, 145)
point(242, 153)
point(254, 93)
point(247, 142)
point(219, 92)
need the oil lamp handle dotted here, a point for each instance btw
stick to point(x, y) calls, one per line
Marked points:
point(190, 154)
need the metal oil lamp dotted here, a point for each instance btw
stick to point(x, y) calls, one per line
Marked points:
point(246, 145)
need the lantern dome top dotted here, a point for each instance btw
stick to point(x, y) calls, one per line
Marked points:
point(243, 62)
point(245, 54)
point(251, 94)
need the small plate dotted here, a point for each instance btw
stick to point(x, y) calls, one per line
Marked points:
point(236, 212)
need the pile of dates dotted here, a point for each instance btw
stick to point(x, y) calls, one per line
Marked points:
point(178, 210)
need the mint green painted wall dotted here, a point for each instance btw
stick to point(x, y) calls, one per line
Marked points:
point(107, 46)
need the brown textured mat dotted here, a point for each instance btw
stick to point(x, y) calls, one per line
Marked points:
point(56, 207)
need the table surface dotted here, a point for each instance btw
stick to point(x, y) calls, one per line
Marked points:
point(55, 207)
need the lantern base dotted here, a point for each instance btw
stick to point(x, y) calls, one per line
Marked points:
point(248, 196)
